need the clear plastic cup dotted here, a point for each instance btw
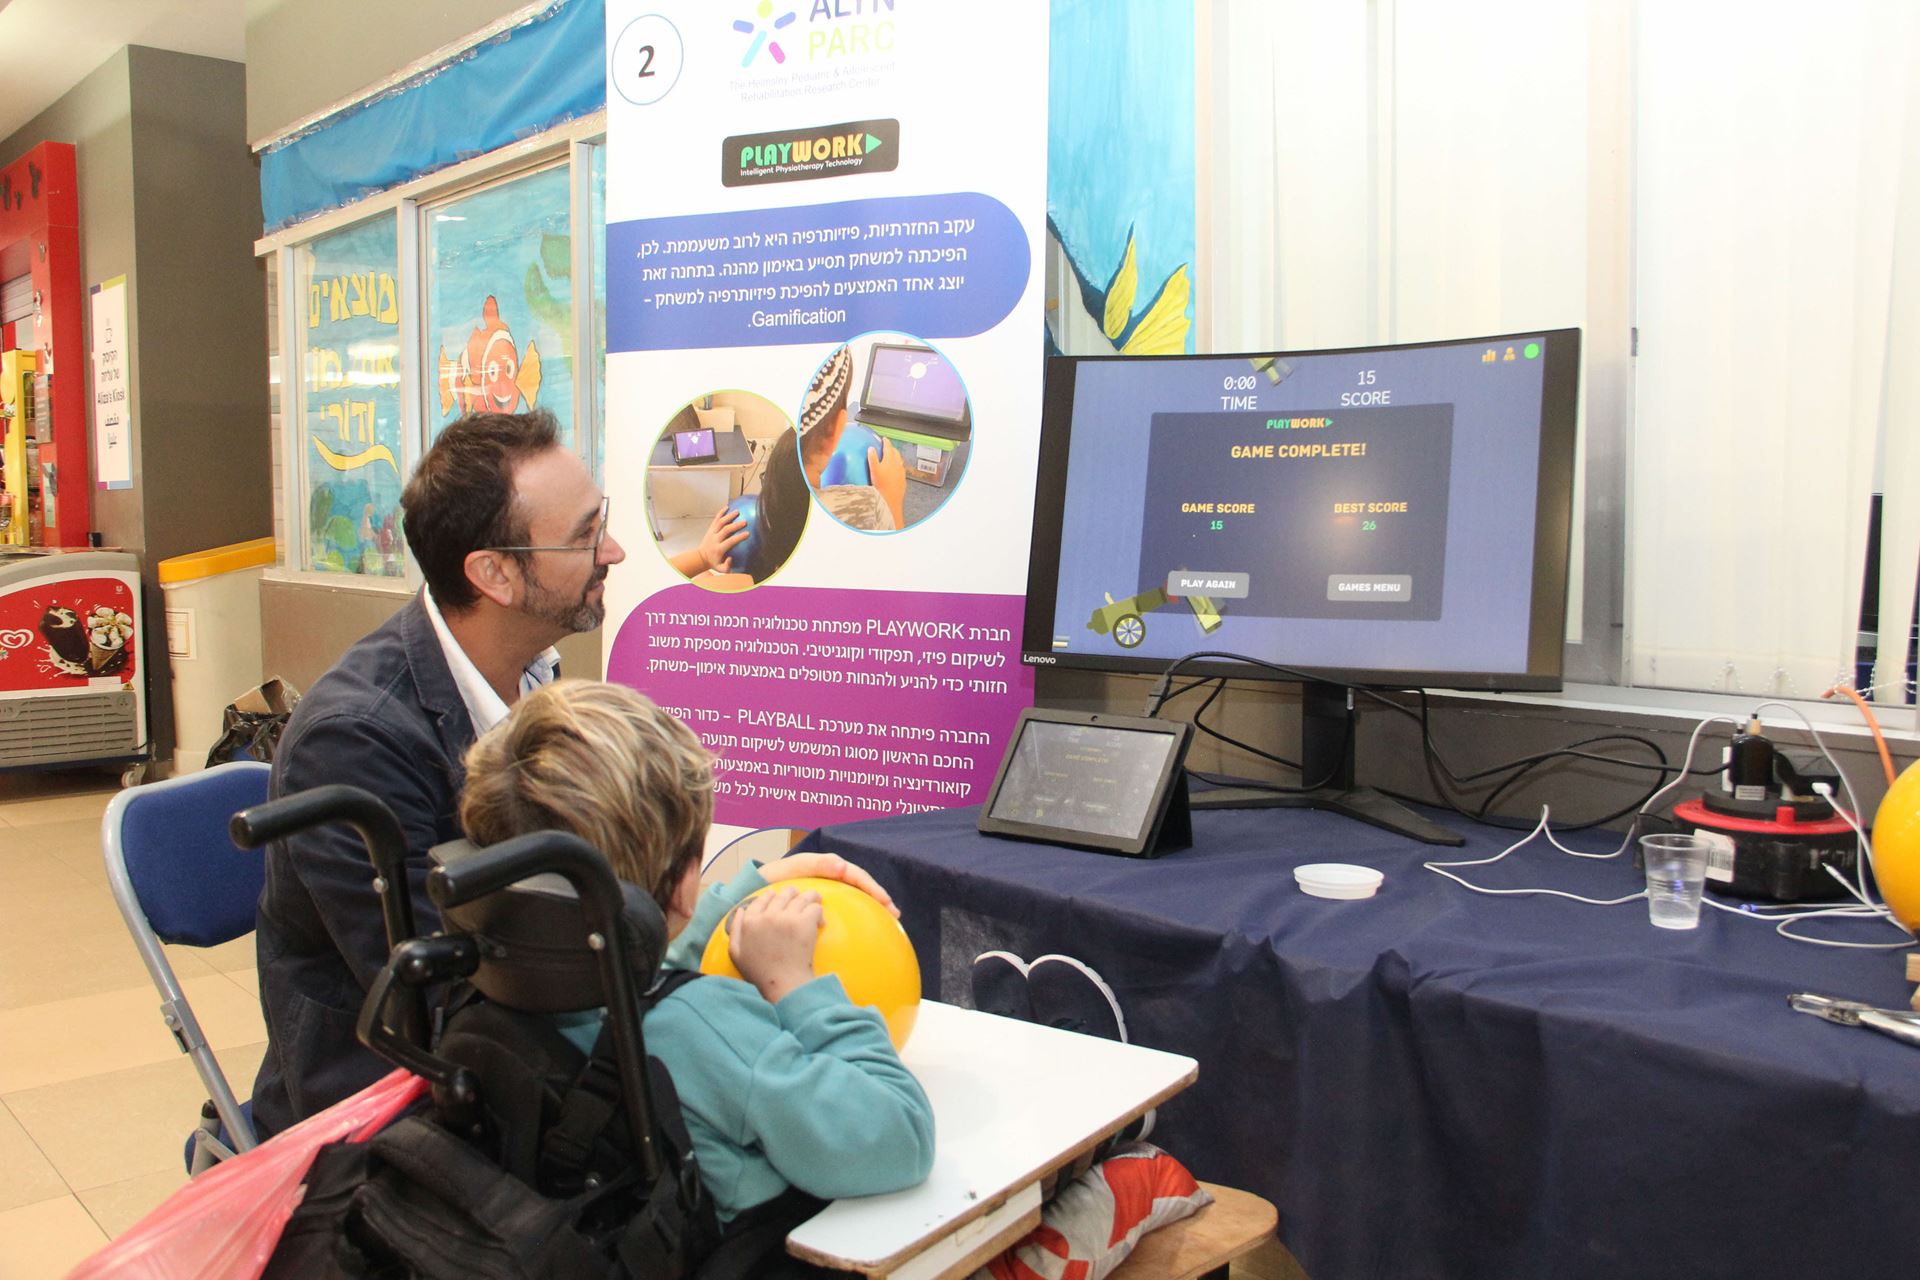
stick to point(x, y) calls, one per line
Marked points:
point(1676, 873)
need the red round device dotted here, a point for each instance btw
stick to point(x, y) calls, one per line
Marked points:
point(1776, 850)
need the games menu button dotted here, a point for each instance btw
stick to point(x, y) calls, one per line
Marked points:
point(1374, 588)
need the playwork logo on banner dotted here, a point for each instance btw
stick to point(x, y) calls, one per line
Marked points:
point(796, 155)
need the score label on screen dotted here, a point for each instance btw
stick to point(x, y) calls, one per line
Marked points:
point(1333, 514)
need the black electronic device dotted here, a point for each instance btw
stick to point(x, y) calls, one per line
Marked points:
point(1771, 835)
point(913, 388)
point(1393, 517)
point(1094, 781)
point(698, 445)
point(1778, 851)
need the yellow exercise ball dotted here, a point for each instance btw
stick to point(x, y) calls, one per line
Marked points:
point(1896, 847)
point(859, 941)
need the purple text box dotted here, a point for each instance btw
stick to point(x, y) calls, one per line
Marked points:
point(937, 266)
point(827, 705)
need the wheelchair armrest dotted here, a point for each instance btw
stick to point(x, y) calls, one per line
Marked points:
point(367, 814)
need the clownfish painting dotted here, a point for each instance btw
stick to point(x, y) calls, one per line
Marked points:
point(492, 375)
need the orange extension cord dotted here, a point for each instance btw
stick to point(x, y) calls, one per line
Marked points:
point(1886, 757)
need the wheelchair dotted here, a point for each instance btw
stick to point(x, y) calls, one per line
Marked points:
point(532, 1159)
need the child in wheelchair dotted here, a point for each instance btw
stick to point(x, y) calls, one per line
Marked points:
point(783, 1082)
point(787, 1093)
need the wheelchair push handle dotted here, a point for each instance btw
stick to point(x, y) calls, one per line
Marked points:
point(496, 867)
point(367, 814)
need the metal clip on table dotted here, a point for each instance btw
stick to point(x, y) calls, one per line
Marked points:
point(1898, 1023)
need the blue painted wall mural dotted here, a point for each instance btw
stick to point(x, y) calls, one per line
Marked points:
point(500, 301)
point(350, 400)
point(1120, 177)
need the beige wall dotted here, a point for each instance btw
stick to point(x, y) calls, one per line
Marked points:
point(170, 198)
point(308, 627)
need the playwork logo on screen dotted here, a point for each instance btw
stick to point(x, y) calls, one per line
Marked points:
point(823, 151)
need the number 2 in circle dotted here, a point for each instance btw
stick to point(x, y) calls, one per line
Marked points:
point(645, 60)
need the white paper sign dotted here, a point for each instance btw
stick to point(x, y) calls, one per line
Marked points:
point(112, 407)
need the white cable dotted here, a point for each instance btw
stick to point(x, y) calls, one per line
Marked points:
point(1440, 869)
point(1865, 862)
point(1783, 925)
point(1904, 686)
point(1686, 767)
point(1864, 909)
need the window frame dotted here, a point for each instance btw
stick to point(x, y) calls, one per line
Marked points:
point(569, 145)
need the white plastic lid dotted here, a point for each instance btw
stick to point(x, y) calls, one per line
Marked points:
point(1337, 880)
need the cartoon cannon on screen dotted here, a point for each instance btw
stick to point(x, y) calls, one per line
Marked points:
point(1125, 620)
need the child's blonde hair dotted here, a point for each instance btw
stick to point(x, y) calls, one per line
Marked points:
point(603, 762)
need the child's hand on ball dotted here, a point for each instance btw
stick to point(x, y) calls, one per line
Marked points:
point(771, 938)
point(827, 866)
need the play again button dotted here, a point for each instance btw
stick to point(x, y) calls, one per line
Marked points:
point(819, 151)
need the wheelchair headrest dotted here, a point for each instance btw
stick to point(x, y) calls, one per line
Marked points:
point(533, 940)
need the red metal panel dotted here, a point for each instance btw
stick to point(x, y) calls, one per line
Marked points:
point(40, 236)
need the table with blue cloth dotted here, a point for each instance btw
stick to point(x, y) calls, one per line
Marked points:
point(1433, 1082)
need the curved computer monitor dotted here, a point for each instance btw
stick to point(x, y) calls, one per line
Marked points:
point(1393, 516)
point(1386, 516)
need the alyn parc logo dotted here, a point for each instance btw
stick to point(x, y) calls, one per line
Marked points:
point(763, 32)
point(824, 151)
point(835, 29)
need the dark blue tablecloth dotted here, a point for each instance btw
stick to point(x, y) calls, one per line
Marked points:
point(1438, 1083)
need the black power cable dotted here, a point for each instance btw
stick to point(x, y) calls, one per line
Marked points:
point(1443, 777)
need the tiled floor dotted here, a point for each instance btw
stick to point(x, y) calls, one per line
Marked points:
point(95, 1099)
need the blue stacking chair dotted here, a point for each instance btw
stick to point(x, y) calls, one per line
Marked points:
point(179, 878)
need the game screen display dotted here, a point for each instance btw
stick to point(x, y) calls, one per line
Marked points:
point(913, 380)
point(690, 446)
point(1090, 778)
point(1371, 510)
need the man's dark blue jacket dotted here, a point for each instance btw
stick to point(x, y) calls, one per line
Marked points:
point(389, 718)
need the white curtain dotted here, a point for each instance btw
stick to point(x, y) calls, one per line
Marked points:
point(1899, 477)
point(1774, 155)
point(1288, 214)
point(1739, 183)
point(1399, 172)
point(1396, 172)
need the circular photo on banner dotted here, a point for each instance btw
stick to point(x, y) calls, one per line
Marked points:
point(885, 429)
point(726, 499)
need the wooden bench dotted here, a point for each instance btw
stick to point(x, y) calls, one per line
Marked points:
point(1200, 1247)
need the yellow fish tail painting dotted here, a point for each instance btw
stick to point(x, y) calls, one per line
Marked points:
point(492, 374)
point(353, 462)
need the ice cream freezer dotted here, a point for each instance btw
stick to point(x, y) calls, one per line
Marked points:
point(72, 688)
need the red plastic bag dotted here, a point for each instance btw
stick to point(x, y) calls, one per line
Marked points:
point(224, 1224)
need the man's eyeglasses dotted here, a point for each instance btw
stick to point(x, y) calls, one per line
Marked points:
point(599, 536)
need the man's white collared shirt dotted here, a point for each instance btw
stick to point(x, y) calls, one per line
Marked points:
point(484, 707)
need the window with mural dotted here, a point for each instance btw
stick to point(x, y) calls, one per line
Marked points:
point(598, 220)
point(499, 318)
point(349, 413)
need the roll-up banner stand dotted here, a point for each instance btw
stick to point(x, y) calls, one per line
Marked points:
point(824, 234)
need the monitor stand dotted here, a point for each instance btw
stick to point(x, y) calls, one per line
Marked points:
point(1327, 730)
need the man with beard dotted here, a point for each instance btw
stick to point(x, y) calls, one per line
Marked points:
point(510, 533)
